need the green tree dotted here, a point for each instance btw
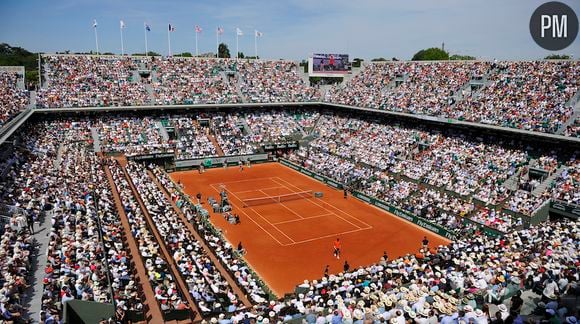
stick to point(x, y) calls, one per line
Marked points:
point(379, 59)
point(241, 55)
point(32, 76)
point(357, 62)
point(457, 57)
point(185, 54)
point(304, 65)
point(223, 51)
point(431, 54)
point(558, 57)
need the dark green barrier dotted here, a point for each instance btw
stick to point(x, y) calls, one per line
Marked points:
point(485, 229)
point(290, 165)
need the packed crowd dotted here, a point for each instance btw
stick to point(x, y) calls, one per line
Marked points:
point(91, 81)
point(13, 99)
point(524, 202)
point(274, 81)
point(210, 290)
point(57, 176)
point(365, 89)
point(526, 95)
point(429, 174)
point(371, 143)
point(307, 119)
point(17, 246)
point(192, 81)
point(386, 188)
point(131, 135)
point(430, 88)
point(192, 138)
point(465, 166)
point(531, 95)
point(496, 219)
point(86, 81)
point(229, 132)
point(412, 87)
point(468, 281)
point(236, 134)
point(162, 280)
point(567, 185)
point(349, 149)
point(272, 126)
point(75, 267)
point(127, 290)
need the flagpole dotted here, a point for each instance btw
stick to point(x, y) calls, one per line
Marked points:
point(122, 43)
point(196, 51)
point(256, 44)
point(39, 72)
point(169, 41)
point(237, 37)
point(146, 51)
point(217, 42)
point(96, 40)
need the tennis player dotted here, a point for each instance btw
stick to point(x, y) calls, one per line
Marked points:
point(337, 248)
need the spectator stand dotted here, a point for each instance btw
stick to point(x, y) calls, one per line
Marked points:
point(207, 225)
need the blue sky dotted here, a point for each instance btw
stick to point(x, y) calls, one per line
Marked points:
point(292, 29)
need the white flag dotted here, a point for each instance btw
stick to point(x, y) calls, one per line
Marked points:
point(95, 23)
point(122, 24)
point(239, 32)
point(258, 34)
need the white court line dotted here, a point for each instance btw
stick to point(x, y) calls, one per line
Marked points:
point(260, 226)
point(314, 202)
point(324, 202)
point(264, 218)
point(301, 219)
point(282, 204)
point(246, 191)
point(327, 236)
point(246, 180)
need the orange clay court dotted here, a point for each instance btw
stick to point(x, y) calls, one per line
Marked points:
point(290, 241)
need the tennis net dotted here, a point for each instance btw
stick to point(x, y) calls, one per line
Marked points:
point(277, 199)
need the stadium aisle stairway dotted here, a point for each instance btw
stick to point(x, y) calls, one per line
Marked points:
point(39, 263)
point(225, 274)
point(215, 143)
point(96, 140)
point(575, 114)
point(153, 310)
point(162, 130)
